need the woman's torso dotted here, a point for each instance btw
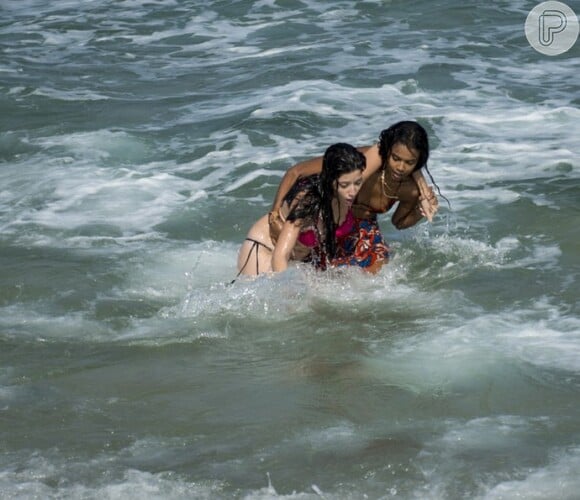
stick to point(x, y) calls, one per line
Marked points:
point(377, 196)
point(309, 235)
point(372, 198)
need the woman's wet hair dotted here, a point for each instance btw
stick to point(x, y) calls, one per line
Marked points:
point(313, 195)
point(408, 133)
point(414, 136)
point(339, 159)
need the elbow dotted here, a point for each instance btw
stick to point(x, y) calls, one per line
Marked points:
point(399, 223)
point(404, 223)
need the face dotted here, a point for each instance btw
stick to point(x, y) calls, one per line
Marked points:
point(401, 161)
point(348, 186)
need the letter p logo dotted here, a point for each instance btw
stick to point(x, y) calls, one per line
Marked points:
point(552, 28)
point(550, 23)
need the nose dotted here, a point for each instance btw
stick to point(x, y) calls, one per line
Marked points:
point(399, 168)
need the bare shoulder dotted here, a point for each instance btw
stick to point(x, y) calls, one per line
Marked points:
point(373, 159)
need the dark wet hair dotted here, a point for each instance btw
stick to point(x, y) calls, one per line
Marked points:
point(339, 159)
point(315, 193)
point(408, 133)
point(414, 136)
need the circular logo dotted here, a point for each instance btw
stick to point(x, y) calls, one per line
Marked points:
point(552, 28)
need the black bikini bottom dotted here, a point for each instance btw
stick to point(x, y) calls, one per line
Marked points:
point(255, 246)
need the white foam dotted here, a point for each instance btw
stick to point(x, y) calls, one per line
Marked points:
point(559, 479)
point(263, 297)
point(65, 38)
point(42, 477)
point(457, 351)
point(169, 272)
point(50, 474)
point(483, 434)
point(70, 95)
point(77, 192)
point(475, 445)
point(341, 438)
point(133, 204)
point(29, 321)
point(545, 337)
point(95, 145)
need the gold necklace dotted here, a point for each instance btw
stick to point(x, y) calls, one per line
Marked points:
point(385, 185)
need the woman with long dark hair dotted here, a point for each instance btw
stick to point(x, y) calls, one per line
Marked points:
point(392, 175)
point(317, 216)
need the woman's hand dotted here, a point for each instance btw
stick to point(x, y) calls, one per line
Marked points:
point(428, 203)
point(276, 224)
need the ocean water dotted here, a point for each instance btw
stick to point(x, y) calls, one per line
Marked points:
point(139, 140)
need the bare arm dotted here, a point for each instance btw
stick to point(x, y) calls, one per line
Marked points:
point(303, 169)
point(417, 200)
point(314, 166)
point(406, 215)
point(427, 199)
point(284, 246)
point(373, 160)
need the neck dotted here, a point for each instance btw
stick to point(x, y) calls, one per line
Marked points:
point(390, 186)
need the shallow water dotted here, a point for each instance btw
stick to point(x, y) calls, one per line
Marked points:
point(140, 140)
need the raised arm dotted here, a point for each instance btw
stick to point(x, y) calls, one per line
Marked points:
point(314, 166)
point(284, 246)
point(303, 169)
point(373, 160)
